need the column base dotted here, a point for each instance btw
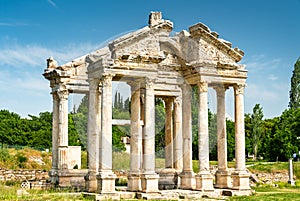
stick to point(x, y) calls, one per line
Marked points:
point(168, 179)
point(91, 182)
point(106, 182)
point(73, 178)
point(204, 181)
point(240, 180)
point(53, 174)
point(134, 182)
point(187, 180)
point(223, 179)
point(149, 182)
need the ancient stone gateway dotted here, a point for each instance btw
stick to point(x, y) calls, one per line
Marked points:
point(153, 64)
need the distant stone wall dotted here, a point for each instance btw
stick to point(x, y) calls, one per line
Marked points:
point(21, 175)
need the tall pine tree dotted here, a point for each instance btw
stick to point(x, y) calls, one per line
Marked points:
point(295, 87)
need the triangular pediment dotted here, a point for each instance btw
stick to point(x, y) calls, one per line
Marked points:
point(152, 50)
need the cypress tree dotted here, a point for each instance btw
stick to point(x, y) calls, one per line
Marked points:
point(295, 87)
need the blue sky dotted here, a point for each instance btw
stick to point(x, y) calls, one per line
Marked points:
point(32, 30)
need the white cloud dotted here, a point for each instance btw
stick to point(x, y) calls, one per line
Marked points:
point(261, 62)
point(52, 3)
point(13, 24)
point(272, 77)
point(35, 56)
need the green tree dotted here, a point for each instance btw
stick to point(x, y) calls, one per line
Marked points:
point(212, 127)
point(9, 127)
point(295, 87)
point(230, 130)
point(283, 141)
point(256, 128)
point(160, 116)
point(39, 130)
point(80, 120)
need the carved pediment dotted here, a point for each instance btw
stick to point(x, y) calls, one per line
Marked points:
point(211, 47)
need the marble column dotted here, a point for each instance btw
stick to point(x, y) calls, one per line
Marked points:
point(240, 177)
point(169, 133)
point(106, 177)
point(149, 177)
point(204, 179)
point(53, 172)
point(94, 126)
point(187, 176)
point(223, 177)
point(177, 134)
point(134, 176)
point(63, 129)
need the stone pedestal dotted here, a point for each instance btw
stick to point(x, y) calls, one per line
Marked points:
point(149, 183)
point(240, 180)
point(134, 182)
point(53, 174)
point(204, 181)
point(106, 182)
point(91, 182)
point(168, 179)
point(187, 180)
point(223, 179)
point(72, 179)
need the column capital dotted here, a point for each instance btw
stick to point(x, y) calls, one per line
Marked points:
point(186, 89)
point(177, 101)
point(55, 95)
point(239, 88)
point(107, 79)
point(202, 86)
point(94, 83)
point(134, 84)
point(149, 83)
point(168, 100)
point(220, 89)
point(63, 94)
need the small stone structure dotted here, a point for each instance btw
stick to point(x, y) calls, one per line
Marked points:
point(154, 64)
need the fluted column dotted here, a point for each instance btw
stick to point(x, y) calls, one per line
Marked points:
point(240, 177)
point(134, 177)
point(239, 128)
point(94, 127)
point(106, 178)
point(149, 177)
point(204, 180)
point(55, 113)
point(223, 179)
point(187, 175)
point(63, 95)
point(177, 137)
point(168, 133)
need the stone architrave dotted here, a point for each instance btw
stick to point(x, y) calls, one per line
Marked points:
point(63, 95)
point(106, 177)
point(240, 178)
point(149, 178)
point(187, 175)
point(204, 179)
point(134, 176)
point(223, 176)
point(94, 126)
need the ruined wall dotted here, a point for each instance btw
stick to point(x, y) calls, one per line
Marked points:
point(21, 175)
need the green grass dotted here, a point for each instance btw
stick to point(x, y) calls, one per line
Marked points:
point(269, 193)
point(15, 159)
point(269, 167)
point(10, 193)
